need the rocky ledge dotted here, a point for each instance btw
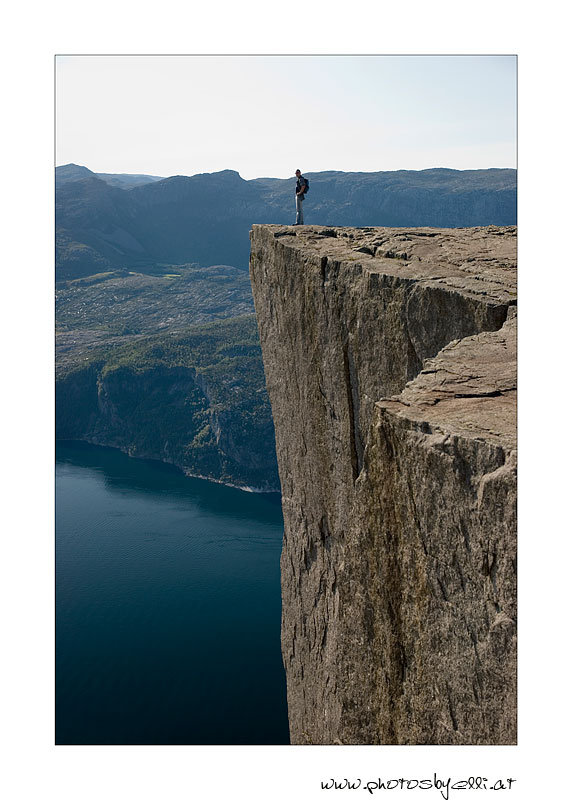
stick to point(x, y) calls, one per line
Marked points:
point(390, 361)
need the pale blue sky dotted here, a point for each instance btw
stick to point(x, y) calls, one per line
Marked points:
point(268, 115)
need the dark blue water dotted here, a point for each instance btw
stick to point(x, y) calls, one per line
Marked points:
point(167, 606)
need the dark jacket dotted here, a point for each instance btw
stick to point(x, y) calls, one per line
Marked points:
point(301, 181)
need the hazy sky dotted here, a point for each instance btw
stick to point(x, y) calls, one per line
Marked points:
point(268, 115)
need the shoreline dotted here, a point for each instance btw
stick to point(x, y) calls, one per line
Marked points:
point(250, 489)
point(186, 473)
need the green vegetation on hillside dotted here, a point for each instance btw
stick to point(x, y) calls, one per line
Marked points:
point(116, 307)
point(194, 399)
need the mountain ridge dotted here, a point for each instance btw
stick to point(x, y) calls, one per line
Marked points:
point(72, 172)
point(206, 218)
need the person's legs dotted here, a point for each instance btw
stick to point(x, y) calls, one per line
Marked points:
point(299, 210)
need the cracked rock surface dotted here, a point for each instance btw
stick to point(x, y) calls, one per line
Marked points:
point(390, 360)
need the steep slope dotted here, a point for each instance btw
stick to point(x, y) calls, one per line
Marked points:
point(398, 478)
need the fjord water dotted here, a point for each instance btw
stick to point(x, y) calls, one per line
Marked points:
point(167, 606)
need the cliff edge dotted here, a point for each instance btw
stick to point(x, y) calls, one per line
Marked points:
point(390, 361)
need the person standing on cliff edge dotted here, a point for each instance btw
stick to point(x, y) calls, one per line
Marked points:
point(301, 189)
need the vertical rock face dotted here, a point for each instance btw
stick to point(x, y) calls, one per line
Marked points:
point(390, 364)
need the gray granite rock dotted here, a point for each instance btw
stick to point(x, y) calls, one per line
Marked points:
point(391, 368)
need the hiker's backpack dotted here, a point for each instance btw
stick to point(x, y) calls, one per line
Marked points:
point(307, 189)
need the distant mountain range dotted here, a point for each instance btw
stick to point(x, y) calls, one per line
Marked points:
point(113, 222)
point(73, 172)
